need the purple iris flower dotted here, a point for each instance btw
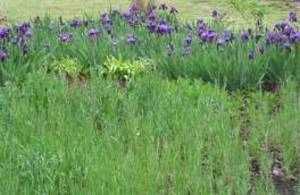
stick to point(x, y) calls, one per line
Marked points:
point(17, 40)
point(151, 25)
point(134, 22)
point(208, 37)
point(23, 28)
point(133, 8)
point(211, 35)
point(127, 16)
point(151, 22)
point(261, 49)
point(163, 28)
point(188, 40)
point(28, 33)
point(4, 33)
point(201, 27)
point(288, 30)
point(108, 27)
point(3, 55)
point(293, 16)
point(173, 10)
point(245, 36)
point(187, 43)
point(287, 47)
point(94, 33)
point(106, 22)
point(131, 39)
point(75, 23)
point(251, 54)
point(281, 25)
point(104, 19)
point(215, 14)
point(151, 16)
point(163, 6)
point(271, 37)
point(203, 37)
point(65, 37)
point(225, 37)
point(282, 39)
point(295, 37)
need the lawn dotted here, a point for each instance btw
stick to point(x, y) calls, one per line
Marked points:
point(18, 10)
point(148, 104)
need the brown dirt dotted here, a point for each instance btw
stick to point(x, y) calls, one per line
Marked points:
point(277, 104)
point(284, 184)
point(254, 168)
point(3, 21)
point(182, 153)
point(126, 146)
point(245, 121)
point(80, 80)
point(122, 83)
point(255, 173)
point(61, 21)
point(169, 184)
point(275, 88)
point(98, 123)
point(161, 149)
point(272, 87)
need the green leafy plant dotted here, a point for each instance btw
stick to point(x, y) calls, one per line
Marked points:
point(124, 69)
point(67, 65)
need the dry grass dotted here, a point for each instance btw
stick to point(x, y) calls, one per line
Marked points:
point(18, 10)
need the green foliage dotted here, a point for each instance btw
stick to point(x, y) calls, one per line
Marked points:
point(118, 68)
point(227, 66)
point(54, 140)
point(69, 66)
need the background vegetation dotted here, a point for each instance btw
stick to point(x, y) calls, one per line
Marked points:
point(189, 9)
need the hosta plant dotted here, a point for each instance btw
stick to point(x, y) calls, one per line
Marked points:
point(70, 68)
point(124, 70)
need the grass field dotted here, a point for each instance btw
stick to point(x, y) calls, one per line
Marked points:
point(158, 137)
point(118, 107)
point(190, 9)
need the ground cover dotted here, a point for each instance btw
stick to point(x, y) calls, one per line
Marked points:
point(185, 136)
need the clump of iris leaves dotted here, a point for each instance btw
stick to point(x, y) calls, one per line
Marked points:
point(201, 49)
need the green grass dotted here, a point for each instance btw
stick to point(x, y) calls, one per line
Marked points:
point(166, 132)
point(191, 9)
point(156, 137)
